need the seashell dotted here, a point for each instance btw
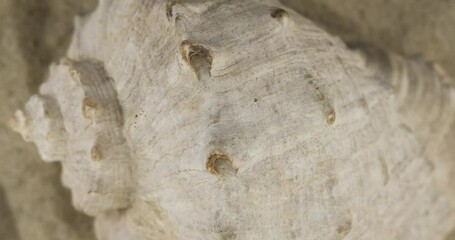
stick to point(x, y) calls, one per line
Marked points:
point(243, 120)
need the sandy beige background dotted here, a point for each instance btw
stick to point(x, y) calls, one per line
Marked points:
point(34, 206)
point(415, 28)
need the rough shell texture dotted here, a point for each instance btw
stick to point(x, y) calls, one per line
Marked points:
point(242, 120)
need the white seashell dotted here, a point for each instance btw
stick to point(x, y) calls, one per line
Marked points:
point(242, 120)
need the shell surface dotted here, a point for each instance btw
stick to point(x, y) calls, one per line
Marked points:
point(230, 120)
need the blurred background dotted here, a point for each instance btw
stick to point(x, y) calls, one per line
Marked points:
point(33, 34)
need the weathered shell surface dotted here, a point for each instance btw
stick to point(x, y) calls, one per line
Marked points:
point(241, 120)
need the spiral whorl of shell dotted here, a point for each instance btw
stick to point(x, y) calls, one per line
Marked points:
point(77, 119)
